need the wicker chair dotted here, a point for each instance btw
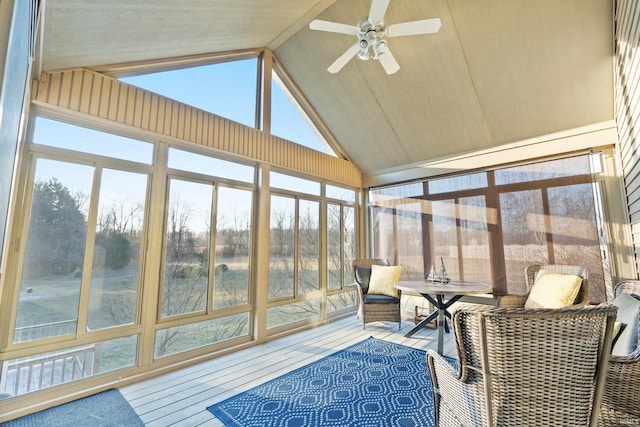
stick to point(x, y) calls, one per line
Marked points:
point(517, 301)
point(373, 308)
point(621, 400)
point(523, 367)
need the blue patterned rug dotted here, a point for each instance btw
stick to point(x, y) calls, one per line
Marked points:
point(372, 383)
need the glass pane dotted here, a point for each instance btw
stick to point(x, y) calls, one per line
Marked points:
point(458, 183)
point(334, 247)
point(227, 89)
point(193, 162)
point(575, 233)
point(194, 335)
point(292, 183)
point(54, 254)
point(71, 137)
point(350, 242)
point(186, 270)
point(233, 239)
point(379, 196)
point(409, 241)
point(383, 237)
point(341, 301)
point(523, 233)
point(40, 371)
point(282, 246)
point(543, 170)
point(290, 122)
point(309, 244)
point(474, 236)
point(445, 240)
point(340, 193)
point(116, 258)
point(290, 313)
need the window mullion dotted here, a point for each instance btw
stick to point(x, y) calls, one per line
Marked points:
point(296, 250)
point(547, 225)
point(87, 267)
point(212, 249)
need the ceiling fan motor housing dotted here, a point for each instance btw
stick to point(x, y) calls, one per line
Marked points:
point(371, 36)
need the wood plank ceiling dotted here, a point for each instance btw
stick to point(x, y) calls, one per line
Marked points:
point(497, 72)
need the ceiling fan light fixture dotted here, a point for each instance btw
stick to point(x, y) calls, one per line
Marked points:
point(364, 54)
point(379, 48)
point(364, 49)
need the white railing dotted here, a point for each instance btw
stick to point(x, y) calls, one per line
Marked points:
point(28, 374)
point(45, 330)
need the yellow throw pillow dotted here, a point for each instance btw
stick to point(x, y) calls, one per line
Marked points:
point(383, 280)
point(553, 290)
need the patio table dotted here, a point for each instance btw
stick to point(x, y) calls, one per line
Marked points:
point(445, 295)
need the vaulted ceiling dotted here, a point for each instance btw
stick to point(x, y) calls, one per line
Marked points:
point(497, 72)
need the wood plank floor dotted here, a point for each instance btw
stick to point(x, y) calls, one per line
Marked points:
point(180, 398)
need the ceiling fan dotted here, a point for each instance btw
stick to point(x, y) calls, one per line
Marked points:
point(372, 33)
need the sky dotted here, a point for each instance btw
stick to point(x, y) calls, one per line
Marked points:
point(228, 89)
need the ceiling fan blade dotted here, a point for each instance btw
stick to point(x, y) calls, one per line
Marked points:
point(334, 27)
point(388, 62)
point(424, 26)
point(377, 11)
point(344, 58)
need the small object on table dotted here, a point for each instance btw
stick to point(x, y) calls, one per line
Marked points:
point(432, 274)
point(444, 277)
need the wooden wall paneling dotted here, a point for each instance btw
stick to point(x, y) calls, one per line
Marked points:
point(120, 103)
point(213, 128)
point(180, 120)
point(136, 105)
point(98, 95)
point(76, 90)
point(112, 101)
point(65, 90)
point(146, 110)
point(192, 122)
point(199, 126)
point(173, 118)
point(86, 91)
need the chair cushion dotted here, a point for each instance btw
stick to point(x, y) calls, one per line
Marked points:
point(383, 280)
point(380, 299)
point(553, 290)
point(628, 312)
point(362, 276)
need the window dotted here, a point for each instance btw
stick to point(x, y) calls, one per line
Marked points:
point(296, 279)
point(227, 89)
point(292, 183)
point(207, 165)
point(186, 262)
point(81, 268)
point(206, 268)
point(282, 247)
point(488, 226)
point(289, 121)
point(54, 251)
point(70, 137)
point(191, 286)
point(115, 271)
point(341, 236)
